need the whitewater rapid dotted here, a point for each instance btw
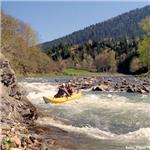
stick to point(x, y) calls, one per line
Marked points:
point(119, 117)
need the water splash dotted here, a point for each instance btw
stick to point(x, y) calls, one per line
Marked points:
point(113, 116)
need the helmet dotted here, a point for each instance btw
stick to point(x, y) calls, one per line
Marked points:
point(69, 84)
point(63, 84)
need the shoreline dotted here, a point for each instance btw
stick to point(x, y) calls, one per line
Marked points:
point(102, 82)
point(20, 129)
point(75, 75)
point(130, 84)
point(78, 72)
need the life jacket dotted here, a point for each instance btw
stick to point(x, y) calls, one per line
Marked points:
point(70, 91)
point(60, 93)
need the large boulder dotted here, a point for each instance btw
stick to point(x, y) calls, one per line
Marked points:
point(101, 87)
point(15, 107)
point(18, 115)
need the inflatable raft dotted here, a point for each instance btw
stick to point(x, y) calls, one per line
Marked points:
point(62, 99)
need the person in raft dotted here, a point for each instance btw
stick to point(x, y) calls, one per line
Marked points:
point(69, 88)
point(62, 91)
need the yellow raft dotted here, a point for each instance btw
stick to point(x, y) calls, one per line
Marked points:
point(62, 99)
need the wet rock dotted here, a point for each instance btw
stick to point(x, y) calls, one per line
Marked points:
point(109, 84)
point(15, 106)
point(18, 115)
point(147, 89)
point(16, 140)
point(106, 82)
point(124, 82)
point(101, 88)
point(141, 91)
point(130, 89)
point(96, 88)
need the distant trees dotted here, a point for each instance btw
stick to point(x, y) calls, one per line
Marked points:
point(18, 42)
point(112, 61)
point(120, 27)
point(111, 45)
point(105, 61)
point(144, 45)
point(135, 64)
point(101, 62)
point(102, 56)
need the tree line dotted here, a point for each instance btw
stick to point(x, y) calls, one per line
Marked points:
point(128, 56)
point(124, 55)
point(122, 26)
point(102, 56)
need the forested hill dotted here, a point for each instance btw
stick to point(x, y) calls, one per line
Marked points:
point(122, 26)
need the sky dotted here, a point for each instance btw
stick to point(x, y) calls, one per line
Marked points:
point(52, 20)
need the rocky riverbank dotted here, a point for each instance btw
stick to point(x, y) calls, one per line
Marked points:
point(18, 115)
point(113, 84)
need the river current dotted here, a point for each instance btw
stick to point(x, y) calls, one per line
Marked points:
point(111, 121)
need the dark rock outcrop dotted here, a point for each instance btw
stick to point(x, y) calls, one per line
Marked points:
point(17, 113)
point(15, 107)
point(18, 117)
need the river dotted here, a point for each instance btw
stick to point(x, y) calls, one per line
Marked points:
point(111, 121)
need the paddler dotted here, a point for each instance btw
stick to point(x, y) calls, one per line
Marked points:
point(69, 88)
point(62, 91)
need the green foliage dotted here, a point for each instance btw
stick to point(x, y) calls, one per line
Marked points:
point(144, 45)
point(107, 46)
point(7, 142)
point(102, 56)
point(145, 25)
point(75, 72)
point(144, 49)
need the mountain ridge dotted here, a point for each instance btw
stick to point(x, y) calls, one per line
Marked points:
point(123, 25)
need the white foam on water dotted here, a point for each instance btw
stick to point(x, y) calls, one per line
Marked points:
point(142, 133)
point(110, 102)
point(92, 132)
point(96, 101)
point(37, 90)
